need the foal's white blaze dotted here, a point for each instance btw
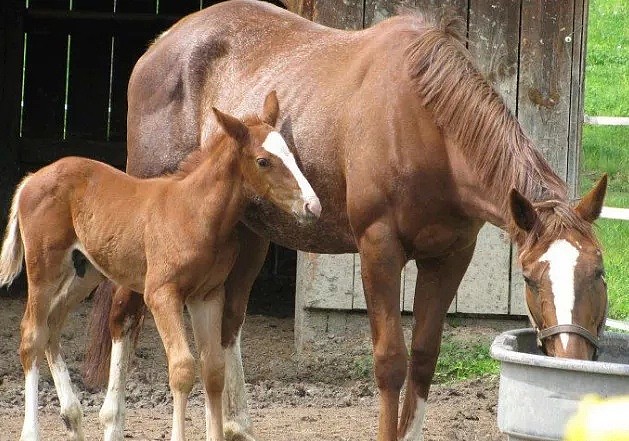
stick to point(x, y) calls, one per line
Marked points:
point(30, 429)
point(562, 259)
point(275, 144)
point(415, 430)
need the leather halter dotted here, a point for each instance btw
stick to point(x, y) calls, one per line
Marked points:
point(571, 329)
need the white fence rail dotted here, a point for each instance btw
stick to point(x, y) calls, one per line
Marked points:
point(606, 120)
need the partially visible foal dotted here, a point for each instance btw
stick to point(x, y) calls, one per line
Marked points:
point(171, 238)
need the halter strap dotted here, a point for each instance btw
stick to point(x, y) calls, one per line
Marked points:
point(571, 329)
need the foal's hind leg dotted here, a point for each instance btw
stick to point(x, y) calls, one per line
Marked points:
point(75, 288)
point(206, 316)
point(437, 283)
point(34, 336)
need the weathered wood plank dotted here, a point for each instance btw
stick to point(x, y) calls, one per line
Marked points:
point(325, 280)
point(579, 38)
point(378, 10)
point(545, 77)
point(435, 8)
point(485, 286)
point(340, 14)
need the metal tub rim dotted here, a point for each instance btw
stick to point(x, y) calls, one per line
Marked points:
point(504, 350)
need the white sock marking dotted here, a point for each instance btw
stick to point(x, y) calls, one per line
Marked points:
point(30, 429)
point(415, 430)
point(113, 410)
point(275, 144)
point(562, 258)
point(63, 384)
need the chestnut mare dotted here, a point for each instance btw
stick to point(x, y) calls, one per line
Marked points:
point(171, 238)
point(410, 150)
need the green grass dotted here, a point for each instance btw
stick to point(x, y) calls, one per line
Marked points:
point(614, 235)
point(607, 62)
point(606, 149)
point(460, 361)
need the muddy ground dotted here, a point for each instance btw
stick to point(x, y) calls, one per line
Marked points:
point(325, 395)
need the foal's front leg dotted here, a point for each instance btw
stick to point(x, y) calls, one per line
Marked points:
point(166, 305)
point(206, 318)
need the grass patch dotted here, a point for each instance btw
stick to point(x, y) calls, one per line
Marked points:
point(606, 150)
point(461, 361)
point(458, 360)
point(606, 74)
point(614, 235)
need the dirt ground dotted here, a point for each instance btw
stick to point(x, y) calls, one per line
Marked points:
point(323, 395)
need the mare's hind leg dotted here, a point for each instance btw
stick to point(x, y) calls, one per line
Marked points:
point(248, 264)
point(125, 320)
point(437, 283)
point(75, 288)
point(206, 316)
point(165, 303)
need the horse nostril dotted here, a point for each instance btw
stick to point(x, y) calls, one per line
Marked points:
point(313, 206)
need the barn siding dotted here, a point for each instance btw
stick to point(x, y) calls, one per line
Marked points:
point(522, 48)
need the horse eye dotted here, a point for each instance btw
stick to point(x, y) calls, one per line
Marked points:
point(263, 162)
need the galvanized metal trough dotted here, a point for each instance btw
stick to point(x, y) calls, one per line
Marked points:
point(538, 394)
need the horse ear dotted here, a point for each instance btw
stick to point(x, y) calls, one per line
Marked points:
point(522, 211)
point(232, 126)
point(271, 109)
point(590, 206)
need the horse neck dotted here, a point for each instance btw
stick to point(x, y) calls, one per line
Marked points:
point(487, 179)
point(216, 187)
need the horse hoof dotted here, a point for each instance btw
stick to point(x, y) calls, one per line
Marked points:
point(235, 432)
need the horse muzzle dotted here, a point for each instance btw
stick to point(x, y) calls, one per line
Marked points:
point(310, 210)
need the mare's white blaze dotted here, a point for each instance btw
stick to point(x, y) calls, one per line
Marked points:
point(113, 410)
point(30, 429)
point(562, 259)
point(415, 429)
point(275, 144)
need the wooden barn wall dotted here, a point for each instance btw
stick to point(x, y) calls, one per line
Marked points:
point(532, 51)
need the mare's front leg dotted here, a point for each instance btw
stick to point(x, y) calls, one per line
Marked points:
point(437, 282)
point(125, 318)
point(248, 264)
point(166, 305)
point(382, 259)
point(206, 316)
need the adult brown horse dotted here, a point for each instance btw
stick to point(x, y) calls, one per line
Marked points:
point(410, 150)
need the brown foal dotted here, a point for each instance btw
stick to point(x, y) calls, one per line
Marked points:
point(171, 238)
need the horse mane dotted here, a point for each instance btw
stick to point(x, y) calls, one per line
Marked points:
point(199, 155)
point(471, 113)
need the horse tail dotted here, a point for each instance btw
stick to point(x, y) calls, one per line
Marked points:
point(98, 352)
point(12, 254)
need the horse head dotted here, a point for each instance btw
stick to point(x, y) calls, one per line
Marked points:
point(561, 260)
point(269, 168)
